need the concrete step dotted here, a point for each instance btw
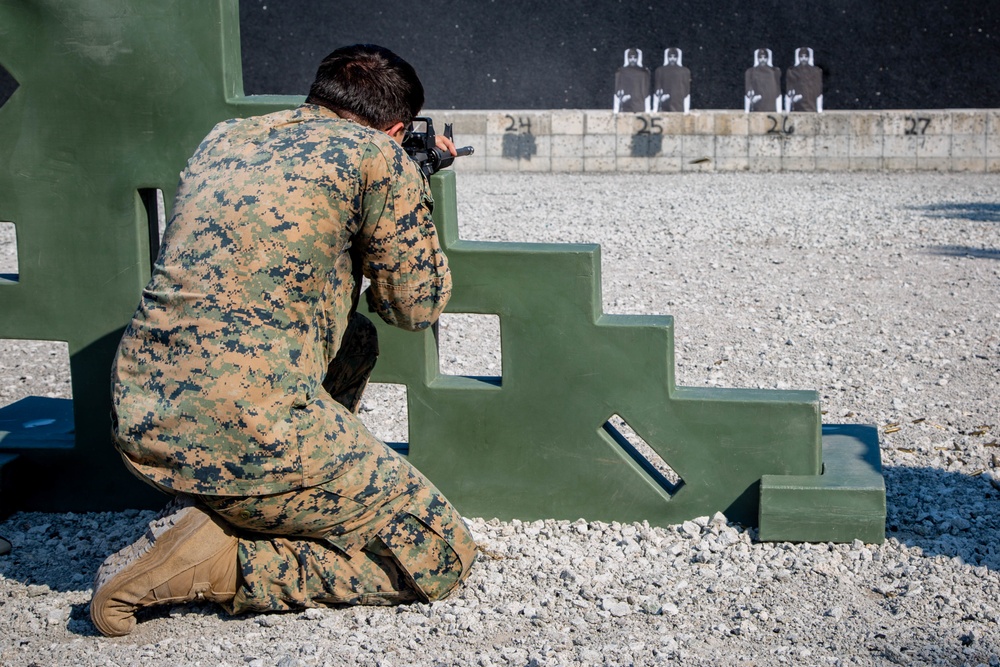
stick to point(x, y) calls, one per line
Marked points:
point(845, 503)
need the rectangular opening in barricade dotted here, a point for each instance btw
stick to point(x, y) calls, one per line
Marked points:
point(9, 273)
point(36, 406)
point(156, 219)
point(469, 344)
point(654, 465)
point(384, 410)
point(8, 84)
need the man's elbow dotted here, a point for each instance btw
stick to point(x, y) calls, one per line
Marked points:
point(410, 320)
point(413, 325)
point(409, 313)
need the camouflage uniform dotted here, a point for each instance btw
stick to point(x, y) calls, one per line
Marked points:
point(238, 377)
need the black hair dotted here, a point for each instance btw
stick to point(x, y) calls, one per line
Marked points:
point(369, 83)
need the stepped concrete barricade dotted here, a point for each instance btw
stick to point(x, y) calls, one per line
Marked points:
point(111, 102)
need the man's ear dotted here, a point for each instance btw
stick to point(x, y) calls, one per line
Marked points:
point(396, 131)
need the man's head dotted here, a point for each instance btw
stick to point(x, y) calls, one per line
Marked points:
point(804, 56)
point(761, 56)
point(632, 57)
point(673, 56)
point(369, 84)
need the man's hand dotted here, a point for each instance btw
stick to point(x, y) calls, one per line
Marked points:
point(445, 144)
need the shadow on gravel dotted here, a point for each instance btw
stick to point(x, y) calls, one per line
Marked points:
point(973, 211)
point(61, 552)
point(945, 514)
point(965, 251)
point(79, 622)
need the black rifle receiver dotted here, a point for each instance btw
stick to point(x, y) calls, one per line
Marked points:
point(419, 144)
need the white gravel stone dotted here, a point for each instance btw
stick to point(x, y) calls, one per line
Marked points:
point(885, 285)
point(691, 529)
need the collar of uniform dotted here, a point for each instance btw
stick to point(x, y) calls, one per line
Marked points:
point(307, 109)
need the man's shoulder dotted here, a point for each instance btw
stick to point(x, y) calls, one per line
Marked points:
point(305, 117)
point(321, 119)
point(306, 126)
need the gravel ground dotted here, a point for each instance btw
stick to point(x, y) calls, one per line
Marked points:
point(880, 291)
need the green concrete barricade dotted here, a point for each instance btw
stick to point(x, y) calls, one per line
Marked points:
point(114, 97)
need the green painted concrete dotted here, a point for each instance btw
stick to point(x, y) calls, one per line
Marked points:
point(114, 97)
point(846, 503)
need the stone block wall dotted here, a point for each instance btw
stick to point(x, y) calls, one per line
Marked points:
point(601, 141)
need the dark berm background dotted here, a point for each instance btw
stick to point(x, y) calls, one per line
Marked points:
point(521, 54)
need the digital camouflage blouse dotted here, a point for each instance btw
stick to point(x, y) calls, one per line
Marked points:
point(217, 381)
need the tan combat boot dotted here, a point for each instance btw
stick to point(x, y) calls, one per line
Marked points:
point(186, 554)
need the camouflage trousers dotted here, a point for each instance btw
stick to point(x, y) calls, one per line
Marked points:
point(378, 534)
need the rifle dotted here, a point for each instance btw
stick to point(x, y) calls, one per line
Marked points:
point(419, 144)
